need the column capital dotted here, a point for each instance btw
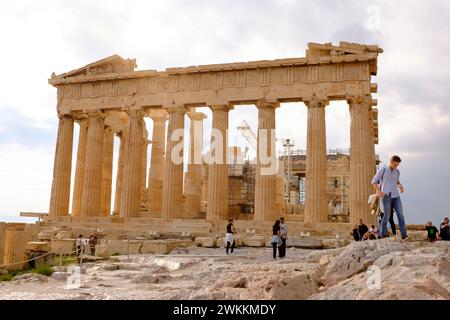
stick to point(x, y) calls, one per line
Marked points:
point(96, 114)
point(159, 118)
point(267, 104)
point(315, 102)
point(65, 116)
point(196, 116)
point(132, 111)
point(221, 107)
point(358, 99)
point(175, 109)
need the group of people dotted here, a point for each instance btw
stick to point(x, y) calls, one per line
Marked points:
point(443, 233)
point(83, 243)
point(279, 237)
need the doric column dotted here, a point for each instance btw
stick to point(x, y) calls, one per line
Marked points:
point(93, 166)
point(362, 159)
point(108, 149)
point(156, 171)
point(173, 166)
point(14, 246)
point(78, 183)
point(119, 176)
point(265, 178)
point(316, 199)
point(131, 184)
point(217, 204)
point(62, 169)
point(193, 180)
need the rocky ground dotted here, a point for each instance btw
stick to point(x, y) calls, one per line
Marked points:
point(407, 270)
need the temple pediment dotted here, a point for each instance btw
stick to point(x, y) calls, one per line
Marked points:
point(112, 64)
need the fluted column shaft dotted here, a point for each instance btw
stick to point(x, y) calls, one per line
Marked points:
point(108, 149)
point(62, 170)
point(119, 176)
point(217, 204)
point(316, 199)
point(156, 171)
point(362, 160)
point(78, 183)
point(14, 246)
point(265, 183)
point(173, 169)
point(132, 178)
point(193, 180)
point(93, 167)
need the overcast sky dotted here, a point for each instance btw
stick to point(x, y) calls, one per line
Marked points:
point(41, 37)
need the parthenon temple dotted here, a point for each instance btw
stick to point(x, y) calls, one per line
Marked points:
point(109, 98)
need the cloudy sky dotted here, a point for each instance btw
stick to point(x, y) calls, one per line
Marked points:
point(41, 37)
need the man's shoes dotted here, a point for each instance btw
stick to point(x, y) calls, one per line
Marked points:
point(404, 238)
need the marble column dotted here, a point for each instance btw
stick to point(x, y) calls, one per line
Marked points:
point(131, 183)
point(217, 204)
point(193, 180)
point(108, 149)
point(14, 246)
point(93, 166)
point(173, 166)
point(265, 182)
point(362, 160)
point(119, 176)
point(316, 199)
point(62, 169)
point(78, 183)
point(156, 171)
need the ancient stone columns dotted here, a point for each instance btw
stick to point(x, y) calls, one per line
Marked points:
point(14, 246)
point(108, 149)
point(78, 183)
point(316, 200)
point(156, 172)
point(265, 176)
point(132, 178)
point(217, 203)
point(173, 166)
point(362, 159)
point(93, 166)
point(193, 180)
point(62, 170)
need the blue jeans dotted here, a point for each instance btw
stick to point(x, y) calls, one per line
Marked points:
point(390, 204)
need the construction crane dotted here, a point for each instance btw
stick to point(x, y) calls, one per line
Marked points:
point(248, 134)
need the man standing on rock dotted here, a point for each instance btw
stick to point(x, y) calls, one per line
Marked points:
point(386, 182)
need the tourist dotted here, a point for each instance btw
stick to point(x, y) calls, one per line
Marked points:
point(391, 222)
point(355, 233)
point(276, 238)
point(283, 235)
point(432, 231)
point(92, 243)
point(445, 230)
point(362, 229)
point(386, 183)
point(229, 236)
point(80, 244)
